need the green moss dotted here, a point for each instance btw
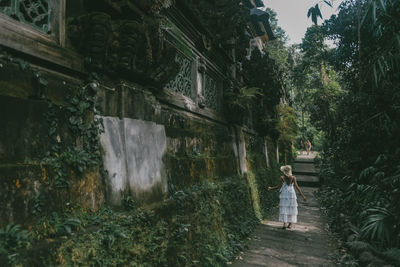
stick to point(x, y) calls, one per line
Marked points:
point(268, 200)
point(200, 224)
point(191, 169)
point(251, 179)
point(180, 42)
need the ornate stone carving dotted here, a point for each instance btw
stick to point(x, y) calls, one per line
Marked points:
point(201, 101)
point(183, 81)
point(131, 40)
point(128, 48)
point(35, 13)
point(211, 93)
point(223, 18)
point(202, 66)
point(91, 35)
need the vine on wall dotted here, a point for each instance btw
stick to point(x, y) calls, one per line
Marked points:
point(75, 146)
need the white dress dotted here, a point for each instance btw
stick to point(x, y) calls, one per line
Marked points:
point(287, 203)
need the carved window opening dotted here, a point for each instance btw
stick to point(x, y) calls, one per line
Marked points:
point(37, 28)
point(183, 81)
point(35, 13)
point(210, 92)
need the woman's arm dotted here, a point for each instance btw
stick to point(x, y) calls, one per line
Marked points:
point(277, 186)
point(298, 188)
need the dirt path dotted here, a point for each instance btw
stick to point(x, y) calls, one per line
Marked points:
point(307, 244)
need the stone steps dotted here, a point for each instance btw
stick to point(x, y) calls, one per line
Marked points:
point(302, 168)
point(305, 171)
point(305, 161)
point(307, 180)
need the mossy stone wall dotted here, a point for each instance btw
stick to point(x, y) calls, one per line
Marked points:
point(198, 149)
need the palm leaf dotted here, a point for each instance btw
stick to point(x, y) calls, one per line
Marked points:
point(383, 5)
point(328, 3)
point(378, 225)
point(366, 13)
point(380, 159)
point(373, 12)
point(375, 75)
point(381, 67)
point(318, 11)
point(367, 172)
point(246, 95)
point(314, 12)
point(310, 11)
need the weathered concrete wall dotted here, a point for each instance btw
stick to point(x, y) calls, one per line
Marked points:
point(114, 159)
point(22, 137)
point(197, 148)
point(19, 185)
point(27, 191)
point(150, 145)
point(256, 154)
point(26, 185)
point(159, 145)
point(133, 158)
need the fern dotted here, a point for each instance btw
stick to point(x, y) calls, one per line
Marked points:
point(246, 95)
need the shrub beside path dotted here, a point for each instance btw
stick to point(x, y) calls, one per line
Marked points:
point(307, 244)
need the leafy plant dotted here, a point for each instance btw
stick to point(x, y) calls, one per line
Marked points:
point(65, 227)
point(314, 12)
point(128, 202)
point(12, 239)
point(360, 119)
point(201, 225)
point(83, 151)
point(379, 225)
point(245, 96)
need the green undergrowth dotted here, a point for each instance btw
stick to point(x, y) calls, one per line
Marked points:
point(200, 226)
point(268, 199)
point(363, 209)
point(264, 202)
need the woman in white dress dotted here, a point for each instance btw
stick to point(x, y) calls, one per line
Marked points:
point(287, 197)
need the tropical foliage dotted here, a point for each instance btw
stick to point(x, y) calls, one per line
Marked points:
point(356, 104)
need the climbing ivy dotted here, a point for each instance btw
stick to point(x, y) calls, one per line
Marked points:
point(75, 146)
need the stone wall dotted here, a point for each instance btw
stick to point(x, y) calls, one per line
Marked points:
point(133, 157)
point(26, 184)
point(149, 146)
point(168, 146)
point(155, 139)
